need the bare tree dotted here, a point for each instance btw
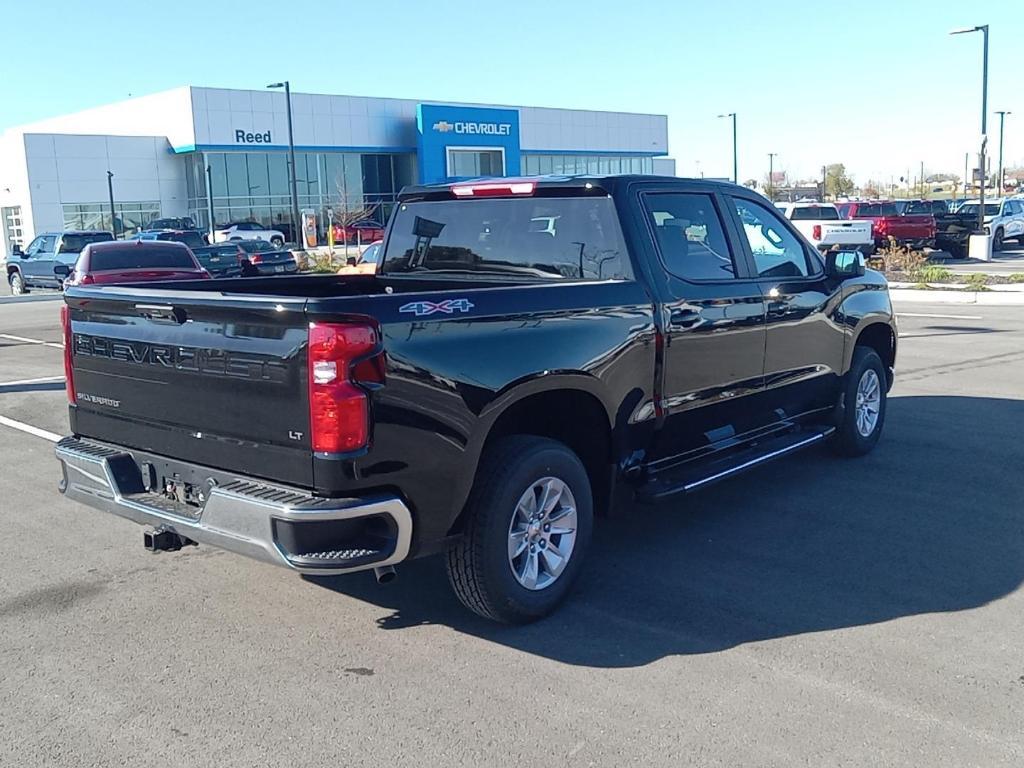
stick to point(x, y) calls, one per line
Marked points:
point(348, 211)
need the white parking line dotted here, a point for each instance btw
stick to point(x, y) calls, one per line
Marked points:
point(28, 428)
point(41, 380)
point(23, 340)
point(939, 317)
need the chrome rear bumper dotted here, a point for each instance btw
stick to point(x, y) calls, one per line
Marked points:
point(245, 516)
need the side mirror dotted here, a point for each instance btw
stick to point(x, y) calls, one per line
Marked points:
point(62, 270)
point(16, 250)
point(351, 261)
point(844, 264)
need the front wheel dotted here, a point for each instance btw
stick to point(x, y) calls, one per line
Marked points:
point(864, 401)
point(528, 525)
point(17, 283)
point(997, 240)
point(277, 242)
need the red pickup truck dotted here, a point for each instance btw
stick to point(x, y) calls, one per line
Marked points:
point(915, 230)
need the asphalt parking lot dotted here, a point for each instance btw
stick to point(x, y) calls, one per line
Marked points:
point(818, 612)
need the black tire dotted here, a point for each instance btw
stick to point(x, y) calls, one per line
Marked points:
point(997, 240)
point(479, 569)
point(277, 242)
point(16, 283)
point(848, 440)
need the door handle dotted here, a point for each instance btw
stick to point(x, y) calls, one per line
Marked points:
point(684, 318)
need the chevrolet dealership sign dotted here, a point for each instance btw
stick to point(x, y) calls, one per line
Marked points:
point(478, 129)
point(445, 128)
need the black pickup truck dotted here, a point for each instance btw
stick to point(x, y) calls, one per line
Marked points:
point(532, 353)
point(952, 229)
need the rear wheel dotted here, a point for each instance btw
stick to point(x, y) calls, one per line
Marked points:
point(864, 401)
point(17, 283)
point(277, 242)
point(529, 521)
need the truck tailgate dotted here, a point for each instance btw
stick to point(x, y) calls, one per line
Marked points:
point(218, 380)
point(845, 232)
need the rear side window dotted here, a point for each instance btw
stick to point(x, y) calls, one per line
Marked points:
point(545, 238)
point(690, 236)
point(75, 243)
point(815, 213)
point(141, 257)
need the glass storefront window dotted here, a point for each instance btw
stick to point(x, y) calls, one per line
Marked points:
point(533, 165)
point(255, 185)
point(131, 216)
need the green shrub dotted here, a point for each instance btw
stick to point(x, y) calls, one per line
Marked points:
point(322, 262)
point(1016, 277)
point(932, 273)
point(977, 282)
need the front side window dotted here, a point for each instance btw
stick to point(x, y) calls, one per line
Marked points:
point(690, 236)
point(47, 244)
point(777, 251)
point(539, 238)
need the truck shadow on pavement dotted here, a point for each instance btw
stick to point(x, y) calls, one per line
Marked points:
point(932, 521)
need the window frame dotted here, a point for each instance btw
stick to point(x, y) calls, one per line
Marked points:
point(741, 258)
point(811, 254)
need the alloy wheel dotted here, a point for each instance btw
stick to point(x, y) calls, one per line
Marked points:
point(542, 533)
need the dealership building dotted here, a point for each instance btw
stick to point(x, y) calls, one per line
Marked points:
point(165, 154)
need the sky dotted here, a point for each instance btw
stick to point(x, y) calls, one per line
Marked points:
point(878, 86)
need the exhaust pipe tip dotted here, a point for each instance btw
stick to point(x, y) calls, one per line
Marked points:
point(384, 574)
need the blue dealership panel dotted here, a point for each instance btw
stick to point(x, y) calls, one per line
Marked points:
point(439, 127)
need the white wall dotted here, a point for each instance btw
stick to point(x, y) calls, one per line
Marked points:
point(13, 183)
point(168, 113)
point(356, 121)
point(665, 166)
point(73, 169)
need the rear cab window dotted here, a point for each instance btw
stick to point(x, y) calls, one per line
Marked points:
point(690, 236)
point(532, 238)
point(150, 256)
point(815, 213)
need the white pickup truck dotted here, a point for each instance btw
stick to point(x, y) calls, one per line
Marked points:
point(824, 227)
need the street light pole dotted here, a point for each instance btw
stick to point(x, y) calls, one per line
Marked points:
point(110, 192)
point(735, 161)
point(209, 197)
point(999, 174)
point(291, 156)
point(983, 28)
point(967, 161)
point(771, 175)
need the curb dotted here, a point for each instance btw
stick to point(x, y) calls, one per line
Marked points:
point(979, 298)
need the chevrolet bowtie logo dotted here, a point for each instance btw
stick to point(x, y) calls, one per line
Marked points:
point(443, 126)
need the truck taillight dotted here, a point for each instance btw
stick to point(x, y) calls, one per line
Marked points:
point(344, 358)
point(816, 232)
point(69, 379)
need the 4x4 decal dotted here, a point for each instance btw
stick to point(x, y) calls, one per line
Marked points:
point(448, 306)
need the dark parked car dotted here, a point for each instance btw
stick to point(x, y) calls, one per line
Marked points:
point(222, 260)
point(184, 222)
point(35, 266)
point(191, 237)
point(488, 391)
point(134, 261)
point(263, 258)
